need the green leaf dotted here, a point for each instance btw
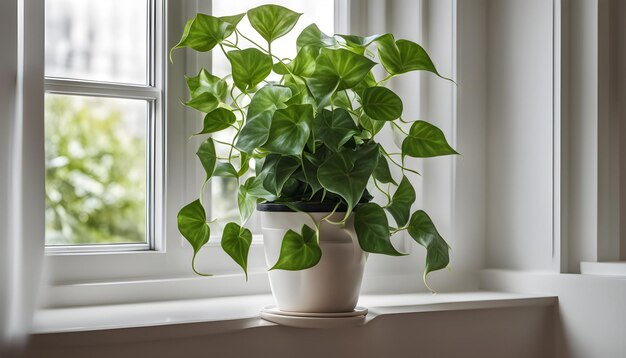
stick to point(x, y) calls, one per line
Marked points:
point(299, 252)
point(424, 232)
point(255, 132)
point(337, 70)
point(254, 187)
point(236, 242)
point(359, 41)
point(194, 228)
point(269, 98)
point(245, 201)
point(225, 169)
point(303, 65)
point(372, 230)
point(371, 125)
point(403, 56)
point(312, 36)
point(403, 198)
point(368, 81)
point(249, 67)
point(208, 158)
point(334, 128)
point(206, 82)
point(217, 120)
point(381, 104)
point(290, 130)
point(346, 173)
point(277, 170)
point(425, 141)
point(204, 32)
point(272, 21)
point(358, 44)
point(233, 19)
point(382, 172)
point(309, 172)
point(203, 102)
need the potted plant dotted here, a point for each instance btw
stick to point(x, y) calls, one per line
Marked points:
point(304, 152)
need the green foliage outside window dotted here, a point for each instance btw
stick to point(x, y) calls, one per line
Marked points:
point(95, 172)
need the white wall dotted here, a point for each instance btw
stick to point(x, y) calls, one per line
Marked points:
point(591, 309)
point(519, 147)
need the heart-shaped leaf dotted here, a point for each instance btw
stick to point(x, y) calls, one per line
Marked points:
point(236, 242)
point(203, 102)
point(206, 82)
point(269, 98)
point(358, 44)
point(403, 56)
point(424, 232)
point(290, 130)
point(334, 128)
point(425, 141)
point(225, 169)
point(346, 173)
point(254, 187)
point(312, 36)
point(298, 252)
point(372, 230)
point(276, 171)
point(381, 104)
point(272, 21)
point(217, 120)
point(204, 32)
point(245, 201)
point(337, 70)
point(382, 172)
point(403, 198)
point(303, 65)
point(208, 158)
point(232, 19)
point(371, 125)
point(249, 67)
point(255, 132)
point(194, 228)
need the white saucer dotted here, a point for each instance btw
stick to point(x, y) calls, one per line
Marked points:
point(315, 320)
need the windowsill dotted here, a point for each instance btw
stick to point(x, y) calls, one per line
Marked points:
point(614, 269)
point(234, 313)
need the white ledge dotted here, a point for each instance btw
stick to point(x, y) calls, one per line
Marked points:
point(228, 313)
point(615, 269)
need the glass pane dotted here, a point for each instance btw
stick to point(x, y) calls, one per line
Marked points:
point(320, 12)
point(95, 170)
point(97, 40)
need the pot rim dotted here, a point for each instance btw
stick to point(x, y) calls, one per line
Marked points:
point(305, 206)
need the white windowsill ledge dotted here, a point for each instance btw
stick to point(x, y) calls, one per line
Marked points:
point(614, 269)
point(234, 313)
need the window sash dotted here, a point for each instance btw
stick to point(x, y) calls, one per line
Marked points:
point(152, 93)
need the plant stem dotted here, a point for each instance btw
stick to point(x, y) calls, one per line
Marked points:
point(382, 191)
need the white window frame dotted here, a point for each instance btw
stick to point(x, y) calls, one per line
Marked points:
point(152, 93)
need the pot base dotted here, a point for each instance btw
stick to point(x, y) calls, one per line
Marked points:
point(315, 320)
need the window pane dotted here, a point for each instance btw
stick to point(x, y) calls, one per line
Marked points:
point(95, 170)
point(97, 40)
point(320, 12)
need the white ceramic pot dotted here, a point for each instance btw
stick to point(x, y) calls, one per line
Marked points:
point(333, 284)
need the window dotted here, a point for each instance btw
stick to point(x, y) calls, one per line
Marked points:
point(102, 117)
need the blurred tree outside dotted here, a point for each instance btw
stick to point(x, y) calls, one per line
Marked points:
point(95, 170)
